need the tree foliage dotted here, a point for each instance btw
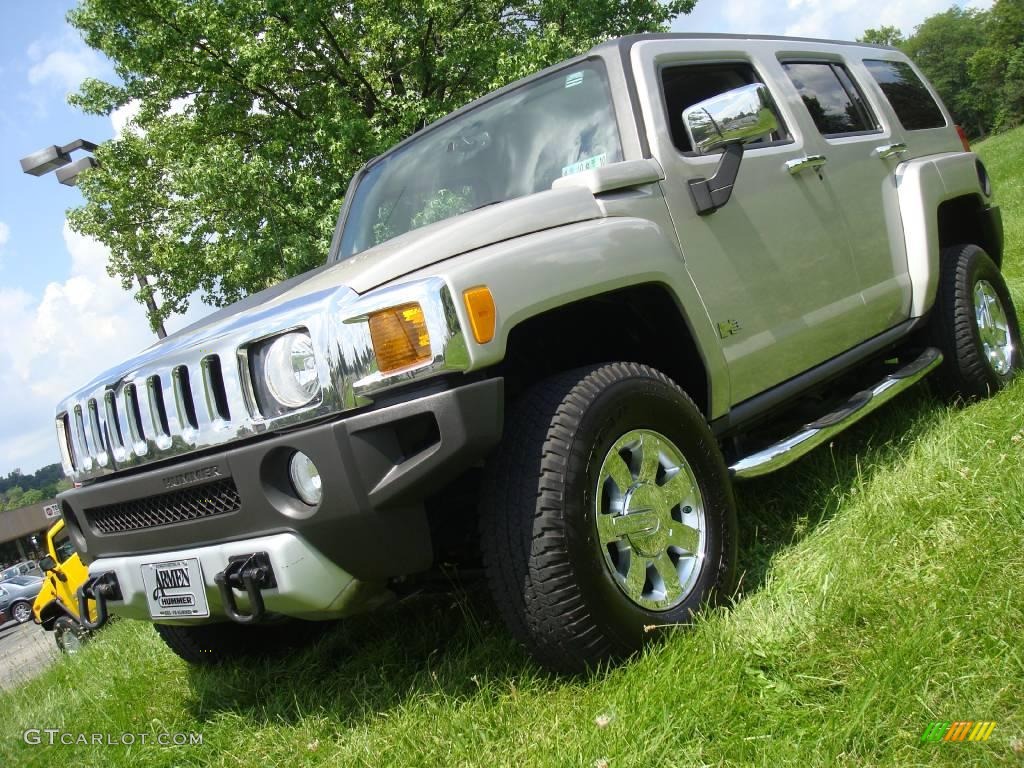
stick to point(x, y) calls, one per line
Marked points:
point(975, 59)
point(19, 490)
point(254, 114)
point(885, 35)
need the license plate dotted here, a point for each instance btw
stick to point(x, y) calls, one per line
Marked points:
point(175, 589)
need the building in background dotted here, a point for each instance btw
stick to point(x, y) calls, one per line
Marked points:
point(23, 531)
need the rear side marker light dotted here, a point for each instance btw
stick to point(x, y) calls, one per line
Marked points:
point(963, 138)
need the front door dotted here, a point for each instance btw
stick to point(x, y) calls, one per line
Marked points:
point(774, 266)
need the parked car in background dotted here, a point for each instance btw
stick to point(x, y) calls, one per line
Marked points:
point(24, 568)
point(16, 597)
point(56, 606)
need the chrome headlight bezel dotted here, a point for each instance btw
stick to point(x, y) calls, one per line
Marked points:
point(270, 378)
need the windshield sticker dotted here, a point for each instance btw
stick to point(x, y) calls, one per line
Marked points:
point(586, 165)
point(576, 78)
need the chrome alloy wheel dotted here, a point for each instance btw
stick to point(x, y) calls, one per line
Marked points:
point(993, 327)
point(22, 613)
point(650, 520)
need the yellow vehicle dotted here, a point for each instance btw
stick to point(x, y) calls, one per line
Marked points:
point(56, 607)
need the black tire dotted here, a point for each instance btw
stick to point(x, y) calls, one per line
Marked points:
point(21, 611)
point(68, 634)
point(966, 373)
point(209, 644)
point(544, 562)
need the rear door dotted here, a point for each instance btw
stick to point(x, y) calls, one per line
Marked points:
point(774, 266)
point(862, 149)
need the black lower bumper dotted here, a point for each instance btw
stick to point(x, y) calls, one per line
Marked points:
point(376, 469)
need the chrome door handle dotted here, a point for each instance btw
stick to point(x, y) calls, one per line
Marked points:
point(801, 164)
point(891, 150)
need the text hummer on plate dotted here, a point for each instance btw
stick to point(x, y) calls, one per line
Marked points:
point(552, 329)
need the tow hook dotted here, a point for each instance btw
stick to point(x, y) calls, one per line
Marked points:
point(99, 589)
point(250, 574)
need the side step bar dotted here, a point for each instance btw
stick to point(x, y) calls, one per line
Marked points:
point(856, 408)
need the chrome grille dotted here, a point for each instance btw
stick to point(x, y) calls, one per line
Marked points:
point(216, 498)
point(150, 414)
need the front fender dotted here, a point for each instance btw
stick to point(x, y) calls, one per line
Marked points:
point(533, 274)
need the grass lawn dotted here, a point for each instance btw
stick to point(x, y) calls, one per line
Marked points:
point(883, 589)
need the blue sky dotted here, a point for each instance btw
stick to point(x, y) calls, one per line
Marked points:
point(63, 319)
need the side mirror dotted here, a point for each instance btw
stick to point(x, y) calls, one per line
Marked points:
point(47, 563)
point(728, 122)
point(740, 116)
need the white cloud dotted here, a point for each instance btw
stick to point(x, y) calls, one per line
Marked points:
point(64, 63)
point(830, 19)
point(122, 116)
point(52, 345)
point(5, 235)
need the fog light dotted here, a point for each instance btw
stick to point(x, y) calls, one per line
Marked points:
point(305, 478)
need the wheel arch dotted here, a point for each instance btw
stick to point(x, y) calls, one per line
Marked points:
point(943, 201)
point(966, 219)
point(50, 612)
point(641, 323)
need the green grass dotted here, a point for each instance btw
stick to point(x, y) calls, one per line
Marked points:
point(883, 588)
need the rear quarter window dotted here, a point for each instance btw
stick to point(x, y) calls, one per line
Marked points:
point(910, 99)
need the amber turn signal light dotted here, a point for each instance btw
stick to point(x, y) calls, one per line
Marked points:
point(480, 306)
point(400, 337)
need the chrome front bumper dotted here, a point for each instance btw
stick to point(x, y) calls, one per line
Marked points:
point(308, 584)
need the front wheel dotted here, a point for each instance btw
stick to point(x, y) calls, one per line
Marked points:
point(21, 612)
point(69, 635)
point(607, 511)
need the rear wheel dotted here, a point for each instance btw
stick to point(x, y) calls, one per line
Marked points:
point(607, 511)
point(974, 323)
point(69, 635)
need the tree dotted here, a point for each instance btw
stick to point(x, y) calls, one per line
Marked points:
point(254, 114)
point(943, 46)
point(885, 35)
point(998, 67)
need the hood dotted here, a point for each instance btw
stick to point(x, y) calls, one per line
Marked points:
point(372, 268)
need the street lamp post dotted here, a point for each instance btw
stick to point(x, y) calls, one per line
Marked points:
point(58, 158)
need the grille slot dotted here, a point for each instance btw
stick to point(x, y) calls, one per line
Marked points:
point(157, 408)
point(216, 394)
point(113, 424)
point(131, 397)
point(183, 397)
point(193, 503)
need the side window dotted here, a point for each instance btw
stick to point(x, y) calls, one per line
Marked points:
point(910, 99)
point(830, 95)
point(689, 84)
point(63, 547)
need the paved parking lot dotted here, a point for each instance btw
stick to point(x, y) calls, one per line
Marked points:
point(25, 651)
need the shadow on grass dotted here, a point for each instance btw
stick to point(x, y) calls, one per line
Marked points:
point(437, 645)
point(780, 509)
point(448, 646)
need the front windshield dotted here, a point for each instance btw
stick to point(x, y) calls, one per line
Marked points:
point(512, 146)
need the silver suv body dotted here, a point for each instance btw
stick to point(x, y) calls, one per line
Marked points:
point(744, 220)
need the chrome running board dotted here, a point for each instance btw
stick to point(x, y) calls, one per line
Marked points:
point(856, 408)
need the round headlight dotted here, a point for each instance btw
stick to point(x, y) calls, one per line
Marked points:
point(290, 370)
point(305, 478)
